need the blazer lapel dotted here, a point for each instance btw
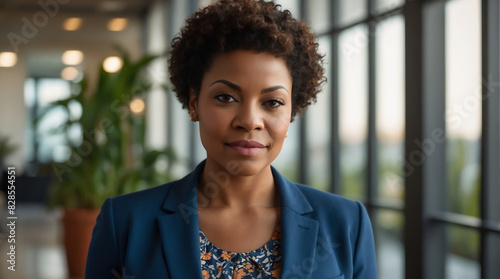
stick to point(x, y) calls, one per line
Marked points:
point(299, 233)
point(179, 228)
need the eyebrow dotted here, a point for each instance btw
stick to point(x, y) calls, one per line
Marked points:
point(236, 87)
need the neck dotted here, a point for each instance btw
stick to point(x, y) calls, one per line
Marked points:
point(218, 188)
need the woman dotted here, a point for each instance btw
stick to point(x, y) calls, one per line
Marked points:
point(244, 69)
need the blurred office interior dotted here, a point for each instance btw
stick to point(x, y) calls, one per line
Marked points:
point(408, 122)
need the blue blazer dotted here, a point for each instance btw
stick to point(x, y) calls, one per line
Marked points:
point(154, 233)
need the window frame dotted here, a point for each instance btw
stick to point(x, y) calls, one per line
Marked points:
point(426, 218)
point(423, 208)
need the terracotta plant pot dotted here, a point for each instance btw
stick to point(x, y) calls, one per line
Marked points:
point(78, 225)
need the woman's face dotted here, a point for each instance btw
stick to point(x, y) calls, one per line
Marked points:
point(244, 108)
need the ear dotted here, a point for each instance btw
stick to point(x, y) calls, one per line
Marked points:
point(193, 100)
point(193, 105)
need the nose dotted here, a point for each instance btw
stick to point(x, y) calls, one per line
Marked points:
point(249, 117)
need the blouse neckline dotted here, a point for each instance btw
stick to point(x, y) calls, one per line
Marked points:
point(256, 251)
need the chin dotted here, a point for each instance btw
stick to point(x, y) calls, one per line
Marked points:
point(244, 166)
point(249, 168)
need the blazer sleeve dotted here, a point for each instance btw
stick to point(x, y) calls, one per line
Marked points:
point(103, 260)
point(365, 263)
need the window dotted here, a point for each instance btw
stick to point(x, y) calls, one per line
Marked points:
point(47, 143)
point(318, 125)
point(452, 109)
point(362, 107)
point(463, 129)
point(353, 111)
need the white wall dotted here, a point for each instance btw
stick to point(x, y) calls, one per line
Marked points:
point(13, 114)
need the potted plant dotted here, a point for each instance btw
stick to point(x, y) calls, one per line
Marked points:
point(111, 158)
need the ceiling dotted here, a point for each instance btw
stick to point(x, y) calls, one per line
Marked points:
point(41, 52)
point(81, 6)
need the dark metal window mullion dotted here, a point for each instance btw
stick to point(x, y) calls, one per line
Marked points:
point(468, 222)
point(170, 95)
point(424, 172)
point(335, 175)
point(192, 7)
point(490, 181)
point(303, 158)
point(413, 103)
point(372, 162)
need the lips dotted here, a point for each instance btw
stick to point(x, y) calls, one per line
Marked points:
point(247, 144)
point(247, 148)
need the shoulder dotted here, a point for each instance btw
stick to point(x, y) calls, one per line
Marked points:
point(333, 209)
point(320, 199)
point(345, 219)
point(143, 200)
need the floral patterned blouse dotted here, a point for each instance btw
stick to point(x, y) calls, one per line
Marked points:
point(265, 262)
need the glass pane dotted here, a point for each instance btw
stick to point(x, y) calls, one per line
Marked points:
point(389, 243)
point(463, 105)
point(179, 13)
point(349, 11)
point(29, 92)
point(319, 15)
point(462, 259)
point(204, 3)
point(51, 90)
point(390, 104)
point(387, 5)
point(292, 5)
point(52, 145)
point(180, 137)
point(200, 153)
point(180, 123)
point(353, 108)
point(287, 162)
point(318, 123)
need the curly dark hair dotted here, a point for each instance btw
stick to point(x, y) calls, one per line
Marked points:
point(258, 26)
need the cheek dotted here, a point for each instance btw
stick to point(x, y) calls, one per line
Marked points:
point(213, 124)
point(278, 127)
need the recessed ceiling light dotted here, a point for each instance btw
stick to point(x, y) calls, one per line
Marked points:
point(117, 24)
point(69, 73)
point(8, 59)
point(72, 24)
point(112, 64)
point(137, 106)
point(72, 57)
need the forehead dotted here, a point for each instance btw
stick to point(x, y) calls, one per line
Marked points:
point(248, 68)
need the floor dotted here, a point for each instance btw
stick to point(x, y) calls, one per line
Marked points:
point(38, 244)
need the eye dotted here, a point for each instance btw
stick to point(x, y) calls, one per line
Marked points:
point(274, 103)
point(225, 98)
